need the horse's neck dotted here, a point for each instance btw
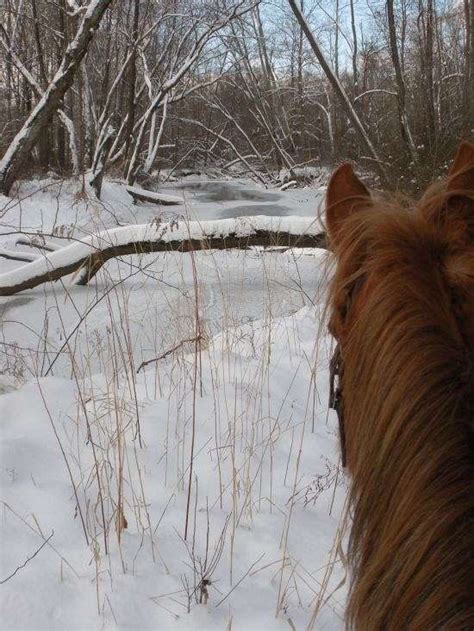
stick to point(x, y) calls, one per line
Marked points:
point(412, 466)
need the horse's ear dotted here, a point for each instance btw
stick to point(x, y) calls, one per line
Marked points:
point(456, 216)
point(345, 195)
point(461, 173)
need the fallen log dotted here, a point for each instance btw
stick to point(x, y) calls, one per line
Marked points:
point(39, 242)
point(142, 195)
point(89, 254)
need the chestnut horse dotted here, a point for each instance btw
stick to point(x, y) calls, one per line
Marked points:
point(401, 308)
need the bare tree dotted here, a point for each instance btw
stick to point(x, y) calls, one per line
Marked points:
point(339, 90)
point(25, 140)
point(230, 84)
point(401, 91)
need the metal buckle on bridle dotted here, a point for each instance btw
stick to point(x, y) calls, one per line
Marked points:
point(335, 396)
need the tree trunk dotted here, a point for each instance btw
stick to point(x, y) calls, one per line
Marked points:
point(340, 92)
point(430, 24)
point(100, 160)
point(21, 146)
point(61, 46)
point(355, 50)
point(44, 146)
point(401, 92)
point(132, 78)
point(425, 27)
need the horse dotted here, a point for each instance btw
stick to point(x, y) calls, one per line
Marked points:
point(401, 308)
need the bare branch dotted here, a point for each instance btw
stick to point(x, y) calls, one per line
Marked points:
point(169, 351)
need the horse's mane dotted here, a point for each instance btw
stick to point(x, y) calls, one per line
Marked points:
point(408, 389)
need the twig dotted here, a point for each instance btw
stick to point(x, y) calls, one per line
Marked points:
point(20, 567)
point(239, 581)
point(198, 338)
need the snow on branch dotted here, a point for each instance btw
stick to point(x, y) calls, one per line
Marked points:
point(38, 241)
point(375, 91)
point(26, 257)
point(89, 254)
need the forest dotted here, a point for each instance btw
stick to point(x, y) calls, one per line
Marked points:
point(136, 86)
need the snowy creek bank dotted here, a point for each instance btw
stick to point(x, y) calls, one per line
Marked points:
point(267, 496)
point(201, 491)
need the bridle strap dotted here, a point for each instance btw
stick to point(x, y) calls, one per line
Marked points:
point(336, 370)
point(335, 397)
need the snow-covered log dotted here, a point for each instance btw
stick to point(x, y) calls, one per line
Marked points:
point(287, 185)
point(38, 241)
point(12, 255)
point(142, 195)
point(88, 255)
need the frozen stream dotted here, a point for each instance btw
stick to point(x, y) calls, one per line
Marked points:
point(228, 197)
point(234, 287)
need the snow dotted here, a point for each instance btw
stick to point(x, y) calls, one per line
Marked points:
point(51, 204)
point(48, 593)
point(266, 483)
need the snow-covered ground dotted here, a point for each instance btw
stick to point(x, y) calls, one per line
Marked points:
point(96, 452)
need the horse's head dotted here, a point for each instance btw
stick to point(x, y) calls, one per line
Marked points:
point(431, 244)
